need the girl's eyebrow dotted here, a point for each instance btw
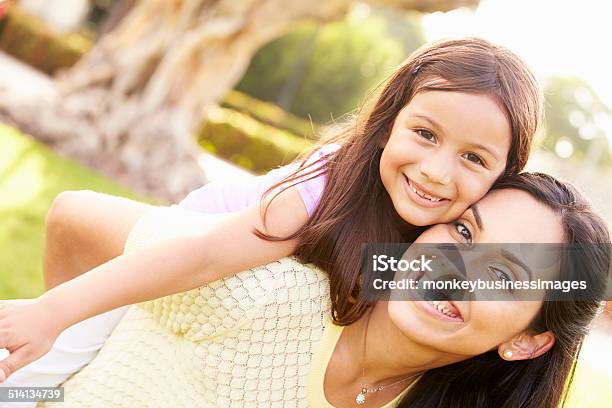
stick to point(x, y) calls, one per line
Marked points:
point(476, 214)
point(430, 120)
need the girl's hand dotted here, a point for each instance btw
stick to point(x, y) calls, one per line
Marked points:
point(27, 331)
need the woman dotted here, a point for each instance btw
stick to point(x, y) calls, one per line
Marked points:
point(266, 336)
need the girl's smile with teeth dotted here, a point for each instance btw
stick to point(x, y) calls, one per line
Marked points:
point(423, 194)
point(422, 197)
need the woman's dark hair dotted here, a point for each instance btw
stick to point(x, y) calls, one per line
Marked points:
point(489, 381)
point(354, 207)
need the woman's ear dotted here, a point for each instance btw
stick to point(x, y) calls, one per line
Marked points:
point(526, 346)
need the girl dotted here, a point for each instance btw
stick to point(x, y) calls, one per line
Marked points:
point(457, 116)
point(264, 337)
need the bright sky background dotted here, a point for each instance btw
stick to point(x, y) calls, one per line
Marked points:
point(553, 36)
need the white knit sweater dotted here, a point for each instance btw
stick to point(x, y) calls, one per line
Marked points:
point(244, 341)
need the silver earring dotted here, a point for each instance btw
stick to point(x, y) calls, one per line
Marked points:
point(508, 354)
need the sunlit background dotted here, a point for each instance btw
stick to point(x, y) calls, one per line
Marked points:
point(555, 37)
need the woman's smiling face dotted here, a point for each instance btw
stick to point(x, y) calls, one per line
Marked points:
point(444, 152)
point(503, 216)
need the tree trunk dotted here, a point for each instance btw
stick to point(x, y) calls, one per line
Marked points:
point(116, 12)
point(131, 105)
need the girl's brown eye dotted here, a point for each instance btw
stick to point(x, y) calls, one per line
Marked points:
point(474, 158)
point(426, 134)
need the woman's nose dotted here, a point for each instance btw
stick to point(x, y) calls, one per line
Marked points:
point(437, 167)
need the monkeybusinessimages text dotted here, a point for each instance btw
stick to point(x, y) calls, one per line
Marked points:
point(423, 264)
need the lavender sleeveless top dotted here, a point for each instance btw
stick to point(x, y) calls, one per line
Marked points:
point(218, 197)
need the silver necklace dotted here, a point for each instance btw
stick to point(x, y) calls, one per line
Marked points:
point(360, 398)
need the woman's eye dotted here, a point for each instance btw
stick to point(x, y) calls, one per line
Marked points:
point(504, 277)
point(463, 231)
point(501, 275)
point(426, 134)
point(474, 158)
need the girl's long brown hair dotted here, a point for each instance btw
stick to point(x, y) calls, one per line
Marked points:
point(354, 207)
point(489, 381)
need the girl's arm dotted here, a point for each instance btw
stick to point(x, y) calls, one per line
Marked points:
point(28, 328)
point(85, 229)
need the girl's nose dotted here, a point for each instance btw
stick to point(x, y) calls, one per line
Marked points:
point(437, 167)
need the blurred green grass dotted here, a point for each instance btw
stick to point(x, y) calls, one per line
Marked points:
point(31, 176)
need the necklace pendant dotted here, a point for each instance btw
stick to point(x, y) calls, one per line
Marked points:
point(360, 399)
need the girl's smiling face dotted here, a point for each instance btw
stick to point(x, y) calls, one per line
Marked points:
point(444, 152)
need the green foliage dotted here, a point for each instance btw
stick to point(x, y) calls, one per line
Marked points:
point(27, 38)
point(247, 142)
point(575, 114)
point(324, 72)
point(31, 176)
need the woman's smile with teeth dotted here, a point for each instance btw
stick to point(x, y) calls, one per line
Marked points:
point(444, 307)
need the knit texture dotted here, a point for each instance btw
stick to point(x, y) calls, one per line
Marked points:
point(243, 341)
